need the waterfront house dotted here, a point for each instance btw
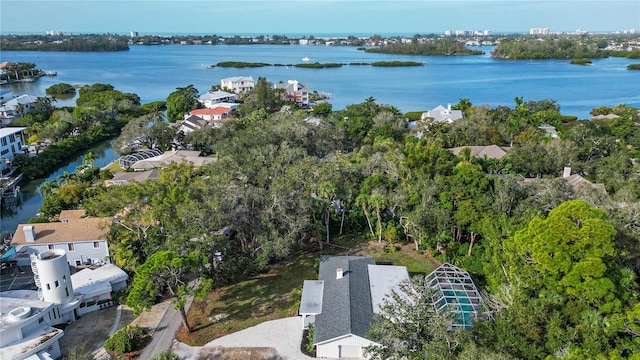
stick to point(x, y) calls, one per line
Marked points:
point(214, 116)
point(342, 302)
point(122, 178)
point(238, 84)
point(442, 114)
point(10, 144)
point(211, 98)
point(295, 92)
point(83, 238)
point(17, 107)
point(169, 157)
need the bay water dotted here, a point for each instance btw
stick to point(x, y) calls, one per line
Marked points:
point(153, 72)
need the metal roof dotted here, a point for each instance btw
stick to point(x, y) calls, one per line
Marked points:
point(311, 300)
point(382, 280)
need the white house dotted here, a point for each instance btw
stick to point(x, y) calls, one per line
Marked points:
point(210, 98)
point(238, 84)
point(215, 116)
point(27, 317)
point(442, 114)
point(26, 330)
point(10, 143)
point(97, 285)
point(342, 302)
point(17, 106)
point(549, 130)
point(295, 92)
point(84, 239)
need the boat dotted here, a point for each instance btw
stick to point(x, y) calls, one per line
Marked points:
point(210, 66)
point(305, 59)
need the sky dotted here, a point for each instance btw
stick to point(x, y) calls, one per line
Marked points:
point(314, 17)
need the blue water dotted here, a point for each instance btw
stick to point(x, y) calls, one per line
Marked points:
point(153, 72)
point(30, 200)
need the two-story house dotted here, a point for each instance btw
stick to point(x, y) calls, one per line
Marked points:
point(211, 98)
point(295, 92)
point(17, 106)
point(238, 84)
point(10, 144)
point(83, 238)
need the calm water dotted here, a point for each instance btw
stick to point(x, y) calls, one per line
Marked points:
point(30, 200)
point(153, 72)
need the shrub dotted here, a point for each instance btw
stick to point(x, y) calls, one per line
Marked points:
point(125, 340)
point(167, 355)
point(60, 89)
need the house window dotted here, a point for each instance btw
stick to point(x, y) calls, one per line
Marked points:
point(78, 263)
point(41, 319)
point(96, 244)
point(12, 138)
point(51, 246)
point(64, 278)
point(4, 141)
point(71, 247)
point(66, 289)
point(57, 283)
point(48, 287)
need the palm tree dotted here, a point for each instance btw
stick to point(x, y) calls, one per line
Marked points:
point(89, 159)
point(47, 188)
point(66, 178)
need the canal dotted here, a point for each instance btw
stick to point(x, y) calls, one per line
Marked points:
point(30, 201)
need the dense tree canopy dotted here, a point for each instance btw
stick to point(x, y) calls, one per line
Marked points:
point(558, 260)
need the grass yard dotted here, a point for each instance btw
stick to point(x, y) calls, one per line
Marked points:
point(276, 294)
point(269, 296)
point(406, 255)
point(115, 167)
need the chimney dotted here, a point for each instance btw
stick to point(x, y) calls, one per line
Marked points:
point(449, 107)
point(29, 233)
point(566, 172)
point(339, 273)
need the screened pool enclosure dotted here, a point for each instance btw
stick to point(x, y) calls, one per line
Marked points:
point(456, 292)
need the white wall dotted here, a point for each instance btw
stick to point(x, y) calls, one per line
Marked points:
point(82, 251)
point(349, 346)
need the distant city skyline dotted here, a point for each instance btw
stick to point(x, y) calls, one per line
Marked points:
point(312, 17)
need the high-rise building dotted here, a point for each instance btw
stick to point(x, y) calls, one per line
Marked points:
point(539, 31)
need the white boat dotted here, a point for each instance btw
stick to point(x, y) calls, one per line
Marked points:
point(305, 59)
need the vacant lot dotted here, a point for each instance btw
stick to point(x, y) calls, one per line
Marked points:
point(276, 294)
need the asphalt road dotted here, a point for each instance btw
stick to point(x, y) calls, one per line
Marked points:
point(162, 337)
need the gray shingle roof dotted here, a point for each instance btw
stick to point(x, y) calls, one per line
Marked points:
point(346, 304)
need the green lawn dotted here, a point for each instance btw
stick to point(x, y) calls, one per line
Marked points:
point(276, 294)
point(269, 296)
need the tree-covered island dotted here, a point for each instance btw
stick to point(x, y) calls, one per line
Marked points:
point(565, 47)
point(422, 46)
point(93, 43)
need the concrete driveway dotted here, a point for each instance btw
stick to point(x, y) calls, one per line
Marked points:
point(284, 335)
